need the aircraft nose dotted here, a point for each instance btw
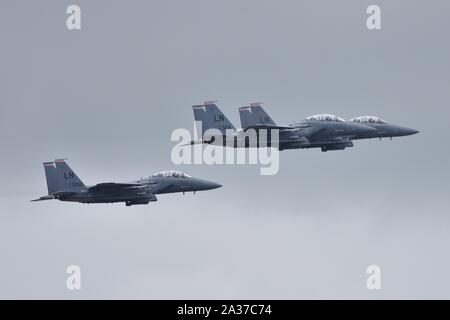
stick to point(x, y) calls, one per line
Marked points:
point(409, 132)
point(200, 184)
point(403, 131)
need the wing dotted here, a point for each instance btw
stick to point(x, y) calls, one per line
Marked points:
point(112, 186)
point(269, 127)
point(332, 140)
point(316, 137)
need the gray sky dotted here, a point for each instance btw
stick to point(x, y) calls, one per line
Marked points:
point(108, 97)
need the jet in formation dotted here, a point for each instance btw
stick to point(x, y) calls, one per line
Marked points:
point(63, 184)
point(325, 131)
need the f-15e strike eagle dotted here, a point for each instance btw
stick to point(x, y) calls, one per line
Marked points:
point(63, 184)
point(325, 131)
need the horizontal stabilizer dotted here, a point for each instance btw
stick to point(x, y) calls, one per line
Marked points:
point(43, 198)
point(192, 142)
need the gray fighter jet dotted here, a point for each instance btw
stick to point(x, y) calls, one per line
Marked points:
point(63, 184)
point(324, 131)
point(256, 114)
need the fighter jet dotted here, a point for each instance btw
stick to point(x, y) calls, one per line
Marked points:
point(383, 128)
point(324, 131)
point(63, 184)
point(318, 135)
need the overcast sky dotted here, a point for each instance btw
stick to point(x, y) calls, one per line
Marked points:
point(108, 97)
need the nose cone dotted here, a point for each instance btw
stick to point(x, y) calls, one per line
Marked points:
point(403, 131)
point(201, 185)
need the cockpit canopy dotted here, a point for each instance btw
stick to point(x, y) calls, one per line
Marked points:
point(174, 174)
point(325, 117)
point(368, 119)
